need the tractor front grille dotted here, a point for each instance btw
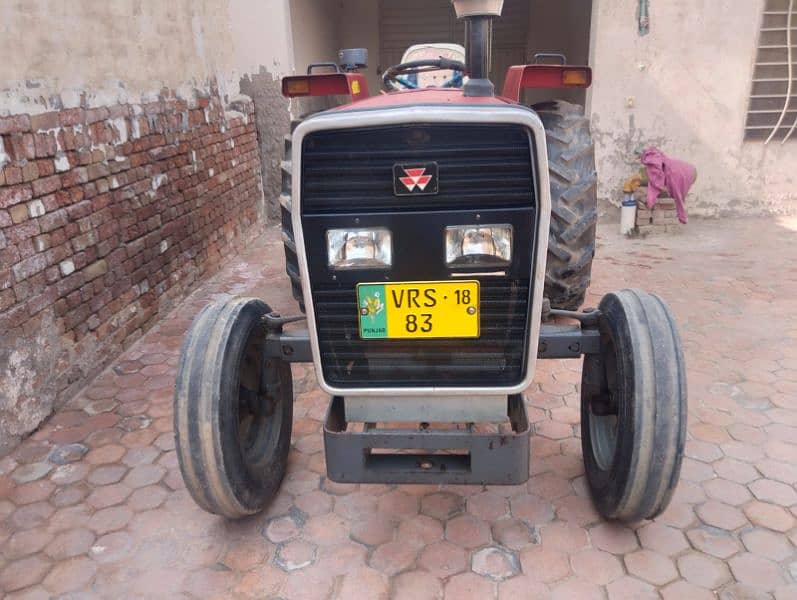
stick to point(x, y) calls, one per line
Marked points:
point(483, 166)
point(485, 173)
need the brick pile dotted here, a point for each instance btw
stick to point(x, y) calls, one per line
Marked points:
point(109, 214)
point(662, 218)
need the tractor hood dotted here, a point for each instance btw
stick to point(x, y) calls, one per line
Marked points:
point(425, 96)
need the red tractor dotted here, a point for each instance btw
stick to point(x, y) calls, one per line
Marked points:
point(439, 239)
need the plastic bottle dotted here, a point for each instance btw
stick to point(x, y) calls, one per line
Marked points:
point(628, 214)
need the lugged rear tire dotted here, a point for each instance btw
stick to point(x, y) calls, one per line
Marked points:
point(233, 410)
point(574, 203)
point(634, 408)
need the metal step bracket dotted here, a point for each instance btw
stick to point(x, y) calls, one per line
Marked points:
point(424, 454)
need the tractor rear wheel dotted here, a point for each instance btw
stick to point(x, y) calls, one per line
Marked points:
point(633, 408)
point(574, 203)
point(233, 409)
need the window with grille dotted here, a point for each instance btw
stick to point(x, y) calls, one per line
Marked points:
point(772, 112)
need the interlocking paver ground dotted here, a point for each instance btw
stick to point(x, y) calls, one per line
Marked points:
point(93, 504)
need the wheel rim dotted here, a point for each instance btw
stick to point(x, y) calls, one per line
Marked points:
point(603, 427)
point(603, 431)
point(258, 416)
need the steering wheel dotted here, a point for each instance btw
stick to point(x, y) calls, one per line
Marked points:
point(398, 75)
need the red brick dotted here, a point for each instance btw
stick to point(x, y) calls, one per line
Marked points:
point(72, 116)
point(45, 145)
point(41, 301)
point(14, 124)
point(13, 175)
point(45, 167)
point(29, 146)
point(18, 213)
point(10, 196)
point(97, 114)
point(53, 220)
point(22, 231)
point(30, 266)
point(97, 170)
point(7, 298)
point(47, 185)
point(21, 146)
point(76, 194)
point(118, 110)
point(13, 317)
point(30, 171)
point(48, 120)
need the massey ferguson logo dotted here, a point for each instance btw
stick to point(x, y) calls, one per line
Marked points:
point(415, 180)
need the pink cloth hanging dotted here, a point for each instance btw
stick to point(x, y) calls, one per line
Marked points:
point(665, 173)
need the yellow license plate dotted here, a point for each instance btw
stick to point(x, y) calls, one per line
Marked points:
point(421, 309)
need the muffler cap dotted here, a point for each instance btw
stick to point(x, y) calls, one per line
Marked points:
point(478, 8)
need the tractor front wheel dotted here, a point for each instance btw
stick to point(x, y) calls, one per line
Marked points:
point(233, 409)
point(633, 408)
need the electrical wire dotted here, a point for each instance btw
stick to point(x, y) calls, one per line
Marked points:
point(789, 86)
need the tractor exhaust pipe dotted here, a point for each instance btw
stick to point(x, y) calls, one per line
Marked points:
point(478, 15)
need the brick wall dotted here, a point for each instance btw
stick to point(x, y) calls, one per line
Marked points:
point(662, 218)
point(107, 216)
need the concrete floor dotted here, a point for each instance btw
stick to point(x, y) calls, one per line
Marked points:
point(93, 504)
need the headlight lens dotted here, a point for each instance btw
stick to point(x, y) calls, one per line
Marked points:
point(478, 246)
point(359, 248)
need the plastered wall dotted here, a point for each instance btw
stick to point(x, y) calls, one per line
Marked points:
point(684, 87)
point(127, 50)
point(316, 26)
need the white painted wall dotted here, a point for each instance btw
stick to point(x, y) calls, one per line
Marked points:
point(261, 36)
point(126, 50)
point(316, 26)
point(689, 82)
point(360, 29)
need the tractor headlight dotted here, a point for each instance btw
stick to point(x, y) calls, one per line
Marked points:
point(359, 248)
point(478, 246)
